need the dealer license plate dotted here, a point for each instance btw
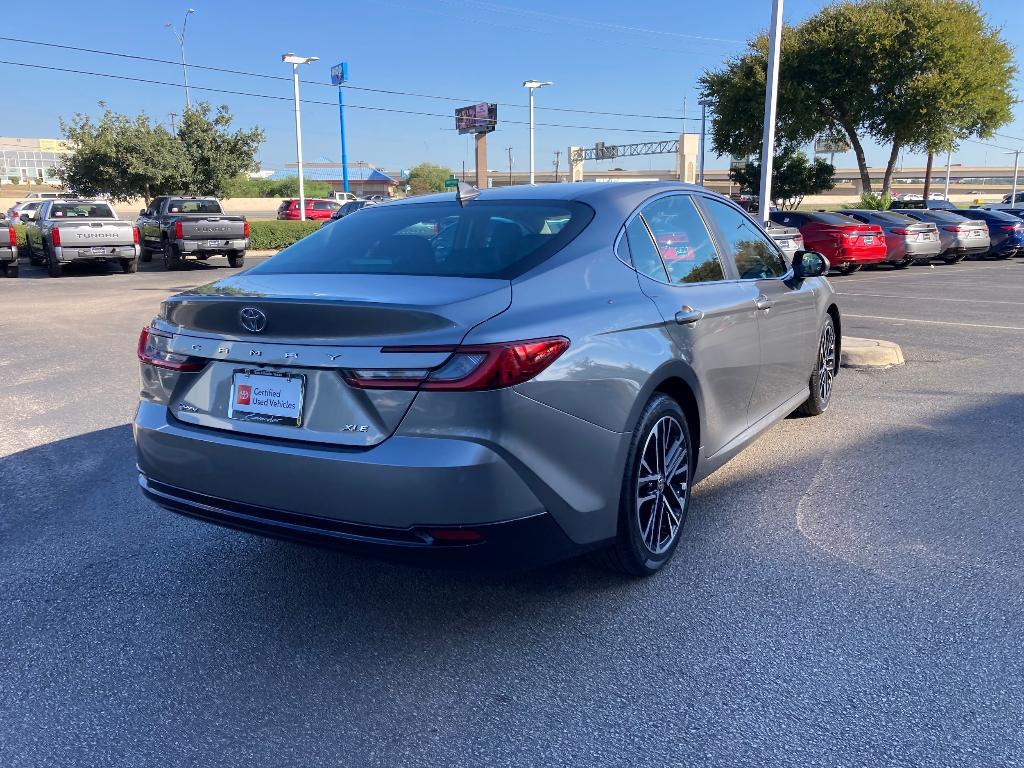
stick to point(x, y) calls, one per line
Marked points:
point(96, 251)
point(869, 239)
point(215, 243)
point(783, 243)
point(267, 397)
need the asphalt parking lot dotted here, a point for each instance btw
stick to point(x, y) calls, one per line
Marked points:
point(848, 591)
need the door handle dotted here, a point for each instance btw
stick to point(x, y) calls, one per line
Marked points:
point(688, 315)
point(763, 303)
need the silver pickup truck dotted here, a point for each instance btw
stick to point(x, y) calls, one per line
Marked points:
point(178, 227)
point(66, 231)
point(8, 249)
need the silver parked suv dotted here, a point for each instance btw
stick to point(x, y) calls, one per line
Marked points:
point(506, 376)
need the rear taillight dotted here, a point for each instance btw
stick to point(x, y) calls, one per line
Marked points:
point(12, 235)
point(245, 229)
point(135, 235)
point(55, 237)
point(1009, 227)
point(954, 229)
point(469, 368)
point(900, 231)
point(154, 349)
point(179, 231)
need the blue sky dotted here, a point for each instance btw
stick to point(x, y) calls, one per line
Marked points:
point(639, 57)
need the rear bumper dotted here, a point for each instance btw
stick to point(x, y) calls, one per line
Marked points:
point(969, 249)
point(512, 544)
point(925, 250)
point(8, 254)
point(862, 257)
point(200, 246)
point(67, 254)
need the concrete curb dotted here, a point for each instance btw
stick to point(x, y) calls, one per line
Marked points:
point(870, 353)
point(261, 253)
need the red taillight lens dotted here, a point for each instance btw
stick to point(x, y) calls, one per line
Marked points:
point(469, 368)
point(179, 231)
point(55, 236)
point(12, 235)
point(954, 229)
point(901, 231)
point(135, 235)
point(154, 349)
point(245, 229)
point(1009, 227)
point(455, 535)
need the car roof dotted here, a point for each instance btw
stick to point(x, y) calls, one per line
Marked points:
point(591, 192)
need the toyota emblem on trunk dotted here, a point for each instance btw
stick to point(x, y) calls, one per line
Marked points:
point(252, 319)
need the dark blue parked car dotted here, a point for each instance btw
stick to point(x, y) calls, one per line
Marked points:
point(1005, 230)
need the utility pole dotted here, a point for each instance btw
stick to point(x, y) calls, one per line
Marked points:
point(180, 37)
point(771, 95)
point(509, 150)
point(703, 134)
point(1016, 161)
point(558, 155)
point(172, 116)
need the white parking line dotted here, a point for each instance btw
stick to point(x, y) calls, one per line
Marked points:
point(934, 322)
point(931, 298)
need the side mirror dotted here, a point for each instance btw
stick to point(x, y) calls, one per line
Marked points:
point(809, 264)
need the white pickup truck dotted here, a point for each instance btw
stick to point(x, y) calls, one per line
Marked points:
point(66, 231)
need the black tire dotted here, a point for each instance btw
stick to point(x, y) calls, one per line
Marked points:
point(172, 259)
point(646, 536)
point(54, 267)
point(145, 254)
point(34, 260)
point(826, 365)
point(236, 259)
point(849, 269)
point(953, 259)
point(11, 269)
point(129, 266)
point(902, 264)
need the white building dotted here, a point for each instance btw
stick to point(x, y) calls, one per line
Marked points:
point(30, 159)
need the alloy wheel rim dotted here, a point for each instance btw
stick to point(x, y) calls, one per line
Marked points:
point(662, 486)
point(826, 363)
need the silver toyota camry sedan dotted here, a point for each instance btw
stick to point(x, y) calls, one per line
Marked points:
point(500, 377)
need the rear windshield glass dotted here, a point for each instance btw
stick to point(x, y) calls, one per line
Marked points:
point(484, 239)
point(81, 211)
point(888, 217)
point(933, 215)
point(996, 216)
point(831, 218)
point(193, 206)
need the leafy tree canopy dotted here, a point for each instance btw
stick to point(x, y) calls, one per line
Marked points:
point(128, 157)
point(910, 74)
point(427, 177)
point(243, 186)
point(793, 176)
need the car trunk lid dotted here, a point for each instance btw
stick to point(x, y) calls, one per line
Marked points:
point(93, 233)
point(212, 227)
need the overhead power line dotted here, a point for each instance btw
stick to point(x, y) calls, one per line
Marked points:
point(334, 104)
point(347, 86)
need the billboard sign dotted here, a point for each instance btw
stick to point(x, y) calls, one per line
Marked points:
point(476, 118)
point(339, 73)
point(831, 146)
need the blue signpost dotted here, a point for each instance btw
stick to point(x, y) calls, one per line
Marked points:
point(339, 75)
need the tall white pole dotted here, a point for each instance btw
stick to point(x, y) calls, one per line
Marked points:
point(703, 133)
point(298, 142)
point(531, 134)
point(771, 94)
point(1013, 194)
point(949, 158)
point(184, 66)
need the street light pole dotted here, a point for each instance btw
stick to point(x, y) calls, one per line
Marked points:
point(703, 133)
point(533, 85)
point(294, 60)
point(509, 165)
point(180, 37)
point(1016, 160)
point(771, 94)
point(949, 158)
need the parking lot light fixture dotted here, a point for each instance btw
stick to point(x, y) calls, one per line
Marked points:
point(533, 85)
point(180, 37)
point(295, 60)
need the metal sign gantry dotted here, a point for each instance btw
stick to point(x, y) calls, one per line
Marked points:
point(602, 151)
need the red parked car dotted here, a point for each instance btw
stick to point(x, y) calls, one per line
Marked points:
point(315, 209)
point(846, 243)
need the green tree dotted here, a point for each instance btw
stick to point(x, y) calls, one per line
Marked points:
point(244, 186)
point(427, 177)
point(121, 156)
point(793, 177)
point(216, 155)
point(909, 74)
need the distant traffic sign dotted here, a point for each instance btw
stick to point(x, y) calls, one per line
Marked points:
point(451, 183)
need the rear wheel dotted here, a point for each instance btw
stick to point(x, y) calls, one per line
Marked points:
point(144, 253)
point(824, 374)
point(953, 259)
point(129, 265)
point(902, 264)
point(655, 491)
point(172, 259)
point(848, 269)
point(236, 259)
point(11, 270)
point(55, 268)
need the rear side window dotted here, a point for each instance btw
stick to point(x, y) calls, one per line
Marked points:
point(755, 254)
point(682, 240)
point(787, 218)
point(193, 206)
point(81, 211)
point(645, 256)
point(483, 239)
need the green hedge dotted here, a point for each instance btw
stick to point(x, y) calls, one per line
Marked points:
point(264, 235)
point(274, 235)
